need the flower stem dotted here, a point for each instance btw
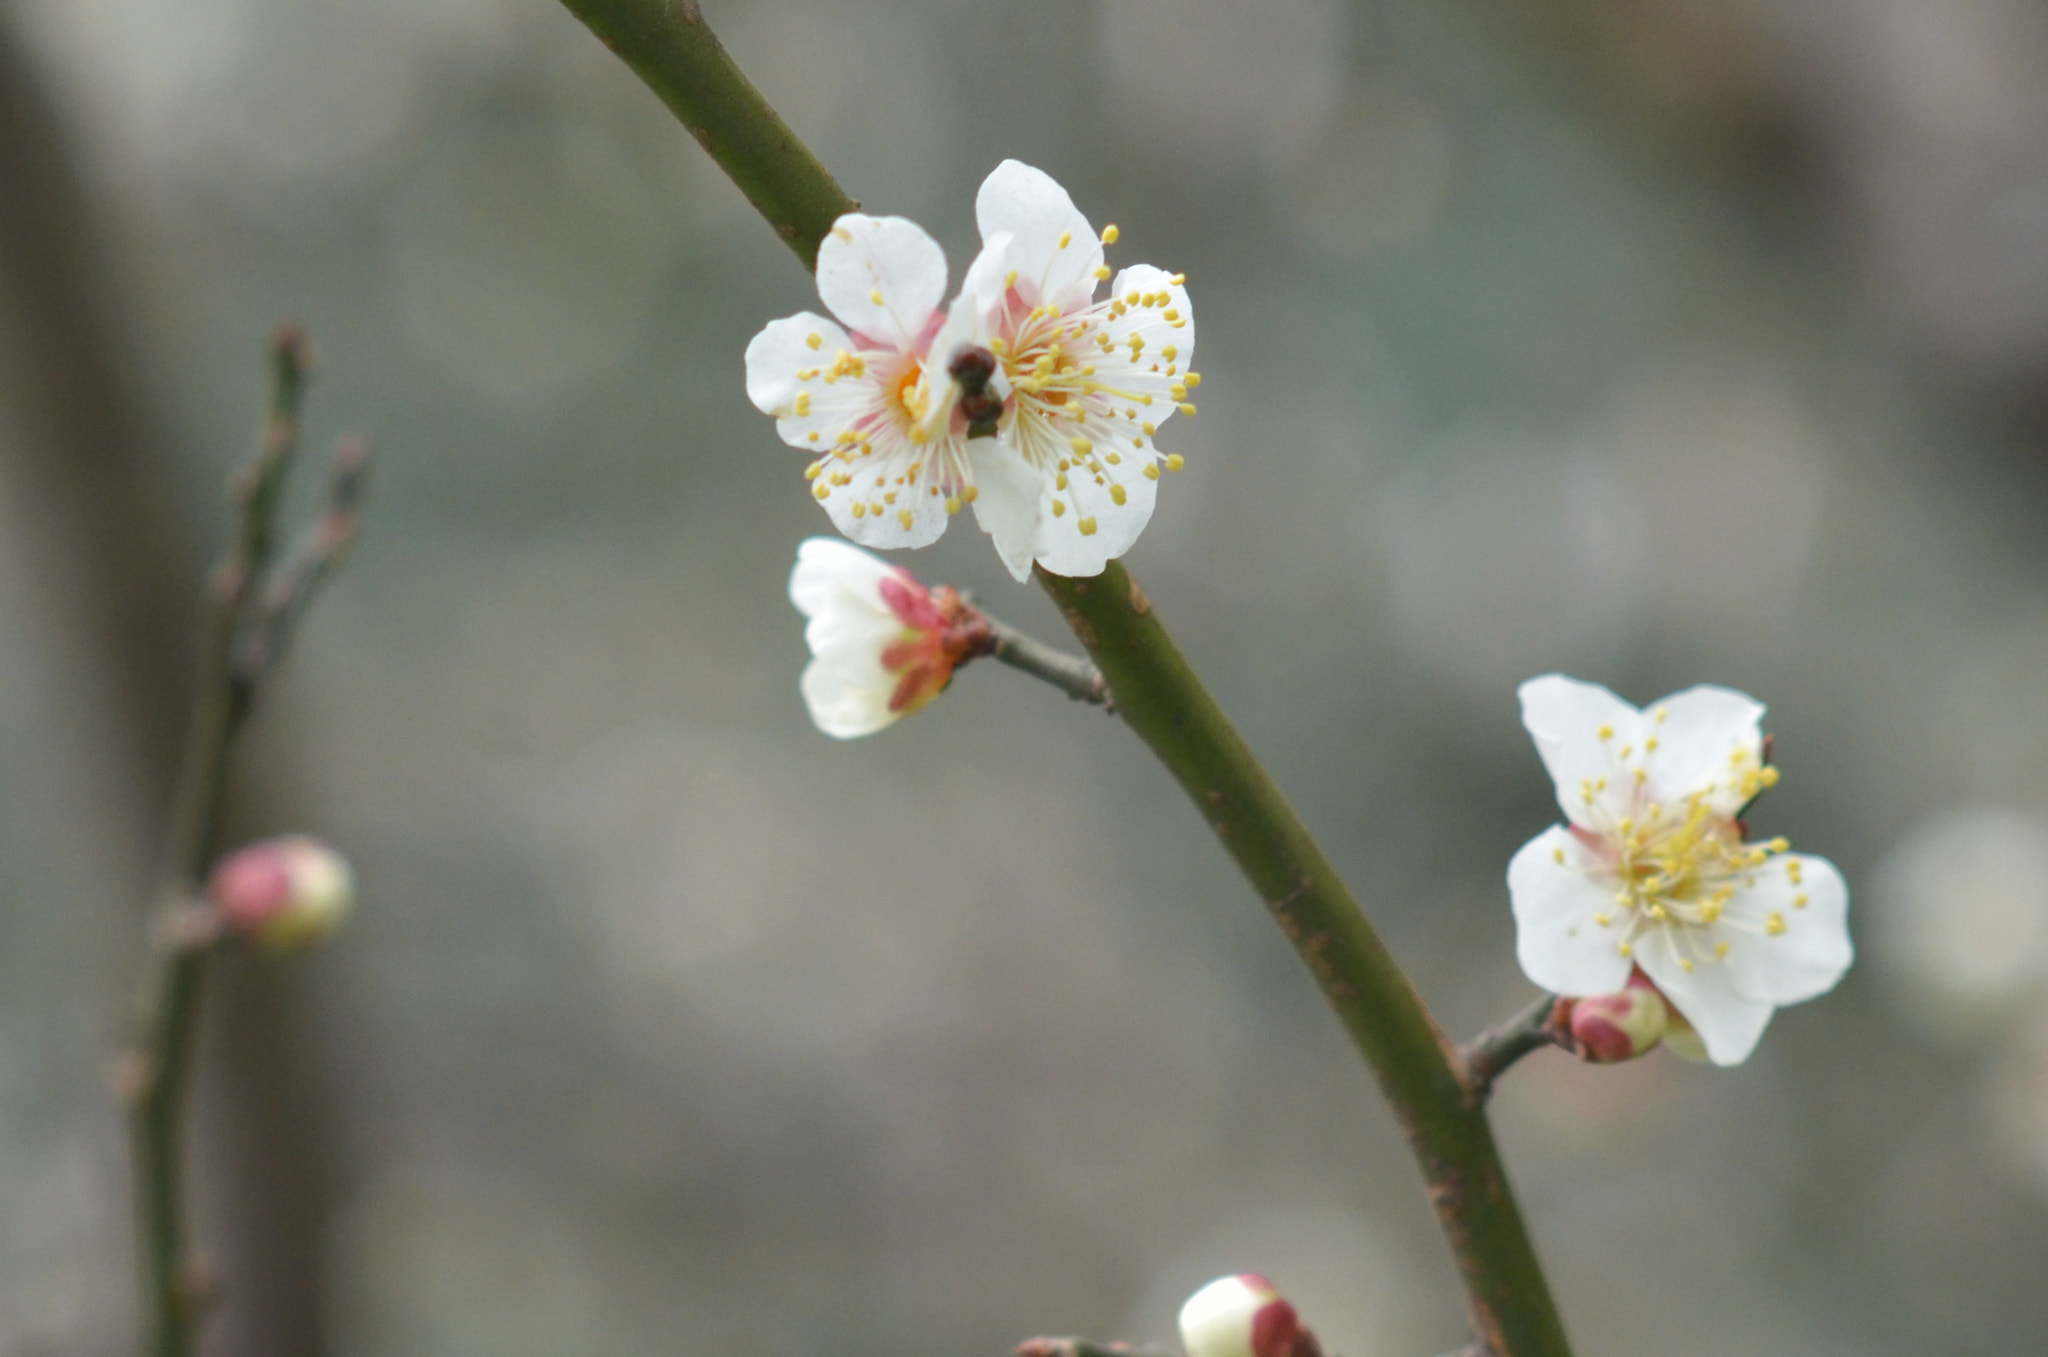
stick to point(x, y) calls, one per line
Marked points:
point(1160, 697)
point(668, 45)
point(1072, 675)
point(1488, 1055)
point(158, 1067)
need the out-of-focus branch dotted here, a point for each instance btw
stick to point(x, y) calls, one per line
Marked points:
point(249, 617)
point(1088, 1347)
point(1488, 1055)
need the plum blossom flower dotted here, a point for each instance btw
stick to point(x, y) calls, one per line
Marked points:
point(1652, 870)
point(882, 645)
point(1243, 1316)
point(1078, 386)
point(892, 462)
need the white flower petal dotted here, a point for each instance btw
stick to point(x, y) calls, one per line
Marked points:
point(1090, 529)
point(1708, 738)
point(1565, 717)
point(1055, 251)
point(1007, 502)
point(1729, 1024)
point(1794, 939)
point(1558, 936)
point(778, 357)
point(827, 567)
point(1163, 321)
point(842, 712)
point(882, 276)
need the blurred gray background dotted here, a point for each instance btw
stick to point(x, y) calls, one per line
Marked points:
point(1657, 342)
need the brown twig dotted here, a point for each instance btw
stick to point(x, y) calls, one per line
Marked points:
point(1071, 674)
point(1488, 1055)
point(1088, 1347)
point(249, 618)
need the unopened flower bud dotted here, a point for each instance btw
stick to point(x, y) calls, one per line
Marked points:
point(882, 645)
point(1614, 1027)
point(286, 893)
point(1243, 1316)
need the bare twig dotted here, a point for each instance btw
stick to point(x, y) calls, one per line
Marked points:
point(242, 609)
point(1071, 674)
point(1488, 1055)
point(1088, 1347)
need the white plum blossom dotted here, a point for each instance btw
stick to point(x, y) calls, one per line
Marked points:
point(1652, 872)
point(1083, 384)
point(882, 645)
point(890, 464)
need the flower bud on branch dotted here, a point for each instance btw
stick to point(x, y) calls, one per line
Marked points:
point(286, 893)
point(1243, 1316)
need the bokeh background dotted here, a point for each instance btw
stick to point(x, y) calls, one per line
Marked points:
point(1656, 342)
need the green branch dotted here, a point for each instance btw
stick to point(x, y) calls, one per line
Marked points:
point(1159, 696)
point(1153, 687)
point(668, 45)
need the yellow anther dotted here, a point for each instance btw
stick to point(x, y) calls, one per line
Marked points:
point(1780, 844)
point(1109, 234)
point(1174, 461)
point(1170, 313)
point(1148, 428)
point(1060, 482)
point(1625, 949)
point(815, 341)
point(811, 471)
point(803, 404)
point(822, 491)
point(952, 504)
point(1087, 527)
point(903, 517)
point(1769, 776)
point(1058, 508)
point(1011, 279)
point(1177, 391)
point(1659, 715)
point(812, 436)
point(1557, 855)
point(842, 233)
point(1112, 458)
point(1600, 919)
point(1082, 446)
point(1066, 239)
point(1685, 963)
point(968, 493)
point(1117, 494)
point(860, 510)
point(1799, 902)
point(1187, 409)
point(1151, 471)
point(1650, 745)
point(1720, 950)
point(875, 295)
point(1774, 923)
point(1102, 271)
point(1607, 732)
point(1194, 379)
point(1642, 776)
point(1177, 279)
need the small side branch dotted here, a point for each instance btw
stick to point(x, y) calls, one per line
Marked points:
point(1071, 674)
point(1088, 1347)
point(1488, 1055)
point(252, 610)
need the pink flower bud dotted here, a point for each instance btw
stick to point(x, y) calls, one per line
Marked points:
point(1243, 1316)
point(1615, 1027)
point(285, 893)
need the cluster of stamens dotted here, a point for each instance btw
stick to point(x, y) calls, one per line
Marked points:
point(1676, 868)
